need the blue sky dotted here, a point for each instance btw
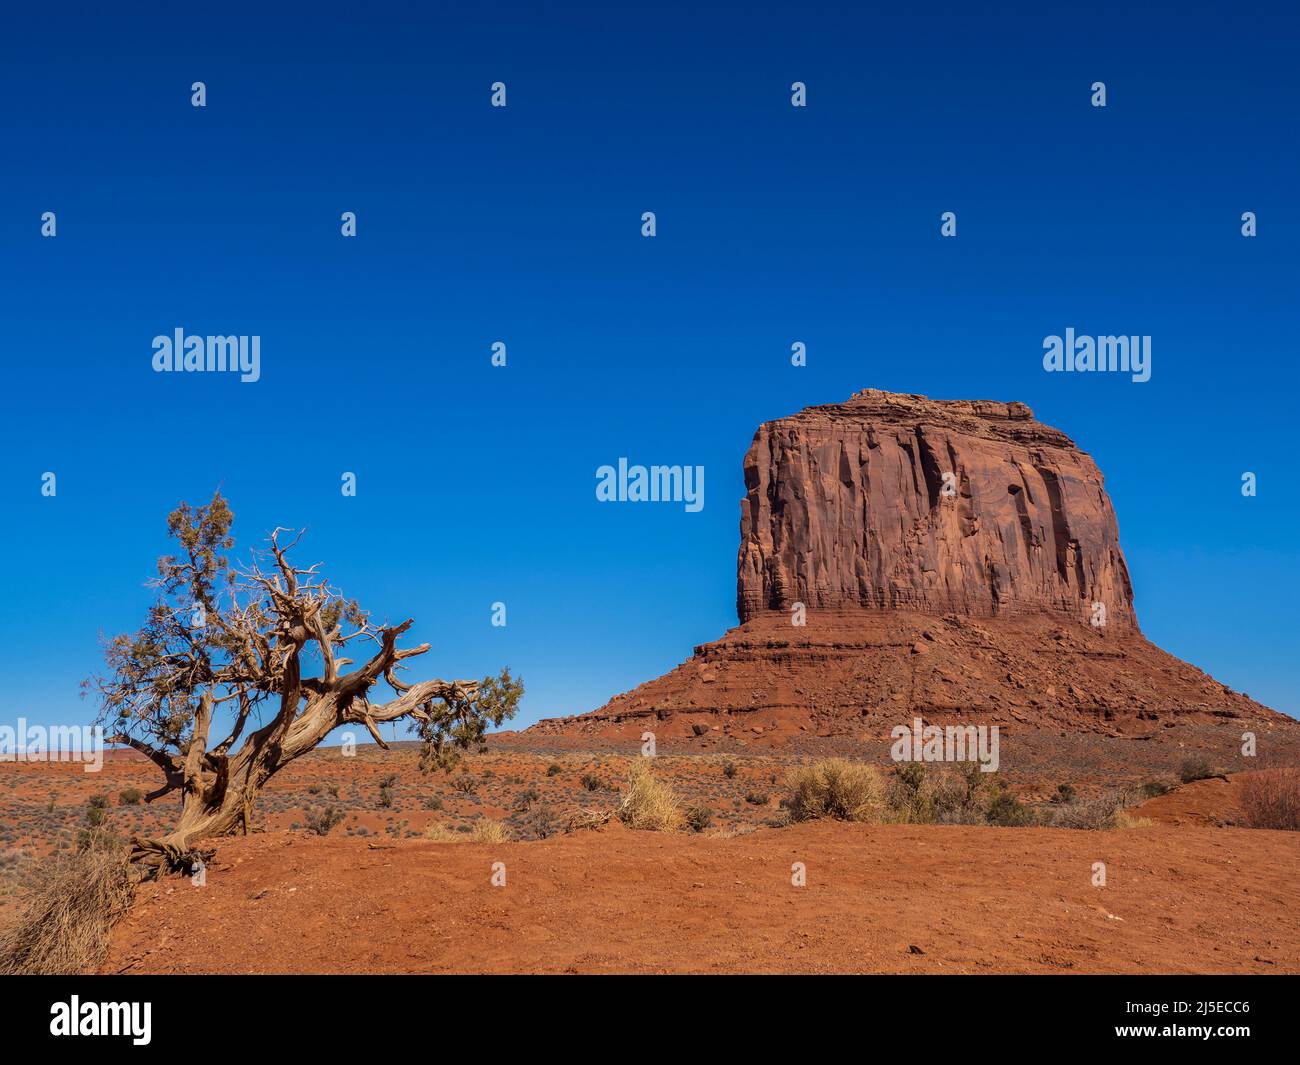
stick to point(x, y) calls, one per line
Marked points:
point(522, 225)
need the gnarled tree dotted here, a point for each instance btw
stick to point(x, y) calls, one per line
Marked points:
point(235, 645)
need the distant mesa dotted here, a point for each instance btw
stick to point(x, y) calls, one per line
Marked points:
point(953, 559)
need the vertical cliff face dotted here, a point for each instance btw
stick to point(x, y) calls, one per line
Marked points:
point(900, 502)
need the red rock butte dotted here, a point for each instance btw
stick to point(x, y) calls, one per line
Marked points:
point(900, 556)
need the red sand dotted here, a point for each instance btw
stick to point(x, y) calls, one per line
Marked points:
point(969, 900)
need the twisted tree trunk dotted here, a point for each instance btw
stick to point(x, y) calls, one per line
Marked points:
point(218, 790)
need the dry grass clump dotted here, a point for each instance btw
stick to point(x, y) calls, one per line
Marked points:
point(587, 820)
point(65, 925)
point(486, 830)
point(1270, 798)
point(1098, 813)
point(648, 804)
point(838, 788)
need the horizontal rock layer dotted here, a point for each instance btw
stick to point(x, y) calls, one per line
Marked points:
point(858, 673)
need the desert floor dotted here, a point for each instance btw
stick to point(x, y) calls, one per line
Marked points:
point(878, 899)
point(1190, 891)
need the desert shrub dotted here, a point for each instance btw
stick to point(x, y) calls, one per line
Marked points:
point(729, 770)
point(1006, 811)
point(388, 780)
point(554, 769)
point(648, 804)
point(1098, 813)
point(464, 783)
point(385, 797)
point(909, 801)
point(1196, 767)
point(537, 823)
point(525, 799)
point(432, 802)
point(1270, 798)
point(486, 830)
point(1125, 820)
point(957, 794)
point(835, 787)
point(698, 818)
point(313, 789)
point(910, 775)
point(65, 925)
point(1153, 788)
point(440, 833)
point(129, 797)
point(592, 782)
point(587, 820)
point(95, 833)
point(322, 821)
point(756, 798)
point(1064, 793)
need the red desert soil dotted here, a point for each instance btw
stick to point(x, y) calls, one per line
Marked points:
point(879, 899)
point(1203, 802)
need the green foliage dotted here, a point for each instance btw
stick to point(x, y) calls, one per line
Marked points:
point(454, 725)
point(155, 673)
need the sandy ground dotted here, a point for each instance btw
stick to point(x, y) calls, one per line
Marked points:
point(878, 899)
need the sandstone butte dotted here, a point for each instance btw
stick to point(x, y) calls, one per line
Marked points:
point(955, 560)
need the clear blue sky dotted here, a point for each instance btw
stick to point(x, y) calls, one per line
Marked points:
point(522, 225)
